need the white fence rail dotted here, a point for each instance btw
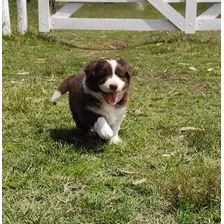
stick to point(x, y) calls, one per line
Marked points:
point(175, 21)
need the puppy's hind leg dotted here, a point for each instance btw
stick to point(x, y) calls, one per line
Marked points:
point(82, 128)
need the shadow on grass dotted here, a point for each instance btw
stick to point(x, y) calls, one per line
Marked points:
point(90, 143)
point(163, 38)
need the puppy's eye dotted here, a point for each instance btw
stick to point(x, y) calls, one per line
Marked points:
point(127, 75)
point(121, 75)
point(102, 74)
point(101, 82)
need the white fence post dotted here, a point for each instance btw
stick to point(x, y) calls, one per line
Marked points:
point(44, 16)
point(6, 30)
point(22, 16)
point(190, 16)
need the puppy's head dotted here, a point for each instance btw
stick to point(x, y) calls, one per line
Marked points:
point(108, 80)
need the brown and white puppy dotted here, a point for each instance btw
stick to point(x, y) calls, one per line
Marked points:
point(98, 96)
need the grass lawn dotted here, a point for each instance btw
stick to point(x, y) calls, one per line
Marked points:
point(167, 169)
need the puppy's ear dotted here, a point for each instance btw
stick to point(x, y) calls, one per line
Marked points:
point(126, 66)
point(90, 69)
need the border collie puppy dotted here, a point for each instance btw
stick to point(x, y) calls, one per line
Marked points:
point(98, 97)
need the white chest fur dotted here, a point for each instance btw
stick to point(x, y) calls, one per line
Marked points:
point(111, 113)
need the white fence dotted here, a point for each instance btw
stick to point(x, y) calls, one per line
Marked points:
point(175, 21)
point(61, 19)
point(21, 14)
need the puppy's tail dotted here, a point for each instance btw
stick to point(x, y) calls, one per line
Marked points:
point(62, 89)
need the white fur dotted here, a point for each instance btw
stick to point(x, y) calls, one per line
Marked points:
point(56, 96)
point(113, 64)
point(114, 80)
point(103, 129)
point(113, 116)
point(115, 140)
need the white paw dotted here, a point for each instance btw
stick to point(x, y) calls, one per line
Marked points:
point(103, 129)
point(106, 133)
point(115, 140)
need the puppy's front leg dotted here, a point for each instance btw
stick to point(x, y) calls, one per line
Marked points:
point(116, 127)
point(102, 128)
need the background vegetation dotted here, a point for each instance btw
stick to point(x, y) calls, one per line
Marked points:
point(167, 169)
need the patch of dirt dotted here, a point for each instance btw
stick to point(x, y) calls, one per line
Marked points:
point(116, 45)
point(203, 87)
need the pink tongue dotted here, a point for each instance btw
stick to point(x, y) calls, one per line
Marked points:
point(111, 97)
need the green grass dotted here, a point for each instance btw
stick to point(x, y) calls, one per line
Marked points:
point(53, 175)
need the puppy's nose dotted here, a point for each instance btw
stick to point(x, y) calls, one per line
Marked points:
point(113, 87)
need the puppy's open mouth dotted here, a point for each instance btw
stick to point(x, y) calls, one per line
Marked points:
point(111, 97)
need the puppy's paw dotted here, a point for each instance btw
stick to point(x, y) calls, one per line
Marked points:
point(106, 133)
point(115, 140)
point(103, 129)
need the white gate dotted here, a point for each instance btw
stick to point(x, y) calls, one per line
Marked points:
point(175, 21)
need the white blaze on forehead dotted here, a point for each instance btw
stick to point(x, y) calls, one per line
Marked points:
point(113, 64)
point(113, 80)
